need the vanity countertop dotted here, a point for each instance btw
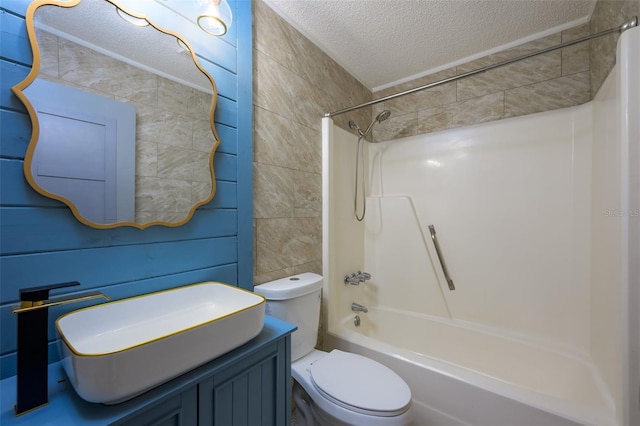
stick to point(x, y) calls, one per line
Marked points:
point(66, 407)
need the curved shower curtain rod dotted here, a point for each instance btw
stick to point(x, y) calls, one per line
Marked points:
point(633, 22)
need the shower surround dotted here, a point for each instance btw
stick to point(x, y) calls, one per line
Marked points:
point(533, 216)
point(295, 82)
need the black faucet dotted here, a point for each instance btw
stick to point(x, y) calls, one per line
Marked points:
point(33, 342)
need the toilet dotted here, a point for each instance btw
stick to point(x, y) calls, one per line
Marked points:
point(334, 388)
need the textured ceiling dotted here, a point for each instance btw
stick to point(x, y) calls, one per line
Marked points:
point(382, 42)
point(95, 24)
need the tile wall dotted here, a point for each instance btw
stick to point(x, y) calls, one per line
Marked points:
point(295, 83)
point(173, 134)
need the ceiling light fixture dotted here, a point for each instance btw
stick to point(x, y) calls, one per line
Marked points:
point(183, 49)
point(138, 22)
point(182, 45)
point(215, 18)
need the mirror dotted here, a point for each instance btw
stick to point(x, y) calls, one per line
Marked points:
point(122, 116)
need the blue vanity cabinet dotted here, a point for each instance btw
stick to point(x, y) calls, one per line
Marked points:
point(249, 386)
point(251, 392)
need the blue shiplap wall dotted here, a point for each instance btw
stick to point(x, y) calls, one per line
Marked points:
point(41, 242)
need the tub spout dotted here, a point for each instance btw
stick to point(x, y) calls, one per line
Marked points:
point(356, 307)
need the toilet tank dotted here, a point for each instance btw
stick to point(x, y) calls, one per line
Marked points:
point(296, 299)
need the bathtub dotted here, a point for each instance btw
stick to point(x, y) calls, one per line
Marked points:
point(461, 375)
point(541, 328)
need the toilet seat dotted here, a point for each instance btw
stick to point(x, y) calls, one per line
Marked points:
point(360, 384)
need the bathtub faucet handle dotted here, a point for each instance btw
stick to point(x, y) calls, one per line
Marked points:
point(356, 278)
point(364, 276)
point(351, 279)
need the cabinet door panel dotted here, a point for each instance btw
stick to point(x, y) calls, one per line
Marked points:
point(178, 410)
point(248, 393)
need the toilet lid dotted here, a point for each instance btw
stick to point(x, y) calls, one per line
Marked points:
point(360, 384)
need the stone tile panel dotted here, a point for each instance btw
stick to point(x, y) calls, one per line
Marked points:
point(396, 127)
point(283, 242)
point(548, 95)
point(273, 191)
point(203, 138)
point(281, 142)
point(307, 194)
point(146, 158)
point(200, 191)
point(521, 73)
point(48, 44)
point(180, 163)
point(575, 58)
point(173, 96)
point(154, 194)
point(164, 127)
point(281, 91)
point(465, 113)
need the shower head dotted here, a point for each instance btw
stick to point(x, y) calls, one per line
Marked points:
point(383, 115)
point(379, 118)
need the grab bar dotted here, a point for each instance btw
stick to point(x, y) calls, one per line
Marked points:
point(432, 230)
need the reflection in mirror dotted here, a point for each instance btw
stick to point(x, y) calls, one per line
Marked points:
point(124, 116)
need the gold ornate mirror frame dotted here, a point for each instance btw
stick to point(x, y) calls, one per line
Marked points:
point(19, 88)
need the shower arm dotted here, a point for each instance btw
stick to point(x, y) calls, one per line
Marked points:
point(633, 22)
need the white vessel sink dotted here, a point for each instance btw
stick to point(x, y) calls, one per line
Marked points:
point(115, 351)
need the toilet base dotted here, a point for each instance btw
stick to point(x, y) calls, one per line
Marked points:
point(315, 410)
point(308, 413)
